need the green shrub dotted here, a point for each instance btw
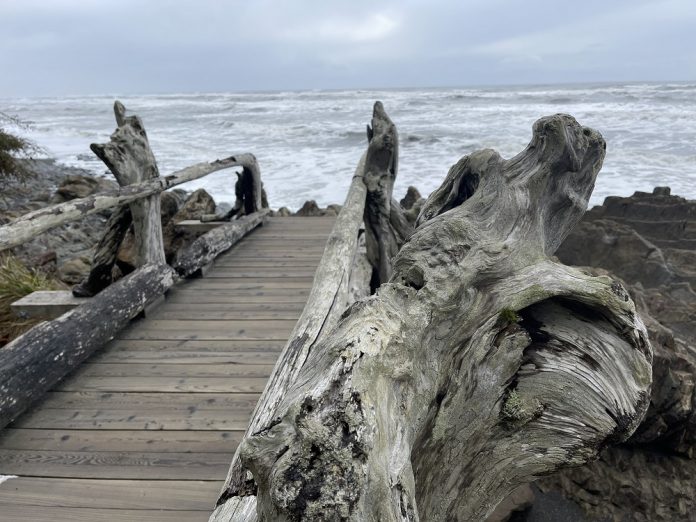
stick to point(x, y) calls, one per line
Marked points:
point(16, 281)
point(12, 150)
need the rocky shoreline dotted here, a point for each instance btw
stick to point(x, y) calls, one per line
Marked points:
point(648, 241)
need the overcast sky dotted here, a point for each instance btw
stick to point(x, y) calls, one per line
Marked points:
point(60, 47)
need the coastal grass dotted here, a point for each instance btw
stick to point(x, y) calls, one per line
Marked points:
point(16, 281)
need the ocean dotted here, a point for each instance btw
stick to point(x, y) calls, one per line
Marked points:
point(308, 142)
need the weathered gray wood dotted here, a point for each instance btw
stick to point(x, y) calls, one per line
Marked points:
point(325, 304)
point(208, 246)
point(101, 273)
point(130, 159)
point(46, 304)
point(386, 227)
point(36, 361)
point(33, 223)
point(479, 366)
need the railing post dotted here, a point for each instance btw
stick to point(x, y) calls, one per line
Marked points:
point(130, 159)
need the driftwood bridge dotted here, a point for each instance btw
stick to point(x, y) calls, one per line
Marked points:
point(264, 375)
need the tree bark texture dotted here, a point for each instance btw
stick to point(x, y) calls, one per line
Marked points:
point(35, 362)
point(328, 299)
point(130, 159)
point(386, 226)
point(208, 246)
point(480, 365)
point(34, 223)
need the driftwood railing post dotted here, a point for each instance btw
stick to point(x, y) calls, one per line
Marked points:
point(130, 159)
point(479, 366)
point(386, 227)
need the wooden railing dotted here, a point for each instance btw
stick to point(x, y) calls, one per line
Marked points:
point(37, 360)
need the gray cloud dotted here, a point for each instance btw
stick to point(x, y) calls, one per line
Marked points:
point(57, 47)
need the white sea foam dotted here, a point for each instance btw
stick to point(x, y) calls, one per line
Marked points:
point(308, 142)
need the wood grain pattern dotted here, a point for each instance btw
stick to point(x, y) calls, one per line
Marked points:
point(146, 428)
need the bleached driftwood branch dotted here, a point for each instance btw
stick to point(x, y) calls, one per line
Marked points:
point(481, 365)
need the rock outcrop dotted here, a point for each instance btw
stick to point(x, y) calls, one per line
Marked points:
point(648, 241)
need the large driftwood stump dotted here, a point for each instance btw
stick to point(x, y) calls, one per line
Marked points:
point(386, 226)
point(130, 159)
point(481, 365)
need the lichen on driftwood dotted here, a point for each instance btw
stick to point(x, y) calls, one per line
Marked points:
point(481, 365)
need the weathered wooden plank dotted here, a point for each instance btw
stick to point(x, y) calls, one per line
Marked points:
point(196, 298)
point(105, 494)
point(186, 357)
point(69, 514)
point(196, 345)
point(262, 274)
point(35, 361)
point(121, 465)
point(166, 384)
point(150, 401)
point(96, 369)
point(284, 294)
point(235, 285)
point(223, 315)
point(160, 441)
point(233, 325)
point(168, 418)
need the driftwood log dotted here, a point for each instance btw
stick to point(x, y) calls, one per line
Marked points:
point(328, 299)
point(386, 226)
point(481, 365)
point(208, 246)
point(33, 363)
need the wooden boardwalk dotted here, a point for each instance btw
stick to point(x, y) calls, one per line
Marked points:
point(146, 428)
